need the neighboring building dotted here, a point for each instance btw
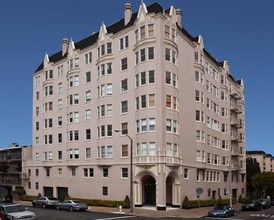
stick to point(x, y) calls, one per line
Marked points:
point(12, 162)
point(265, 161)
point(148, 77)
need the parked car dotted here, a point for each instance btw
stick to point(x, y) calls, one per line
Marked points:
point(12, 211)
point(222, 211)
point(253, 204)
point(72, 205)
point(265, 203)
point(45, 202)
point(272, 201)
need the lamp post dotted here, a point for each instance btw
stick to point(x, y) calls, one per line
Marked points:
point(230, 189)
point(130, 171)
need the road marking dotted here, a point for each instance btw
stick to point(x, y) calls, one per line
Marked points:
point(259, 215)
point(223, 218)
point(111, 218)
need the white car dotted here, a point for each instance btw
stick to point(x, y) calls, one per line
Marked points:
point(16, 211)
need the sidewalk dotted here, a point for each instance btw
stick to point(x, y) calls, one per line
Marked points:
point(170, 212)
point(152, 212)
point(147, 211)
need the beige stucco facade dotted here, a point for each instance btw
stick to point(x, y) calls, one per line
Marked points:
point(265, 160)
point(148, 77)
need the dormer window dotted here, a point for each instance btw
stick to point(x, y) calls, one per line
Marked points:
point(48, 74)
point(170, 33)
point(73, 63)
point(140, 34)
point(167, 31)
point(173, 34)
point(137, 35)
point(104, 49)
point(143, 32)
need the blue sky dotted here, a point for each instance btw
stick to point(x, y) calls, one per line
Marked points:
point(240, 31)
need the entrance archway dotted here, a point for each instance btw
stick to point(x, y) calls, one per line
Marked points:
point(149, 186)
point(173, 189)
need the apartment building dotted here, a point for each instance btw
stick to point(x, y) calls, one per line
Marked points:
point(12, 162)
point(265, 160)
point(147, 77)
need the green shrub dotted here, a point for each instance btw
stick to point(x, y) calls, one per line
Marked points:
point(244, 200)
point(20, 191)
point(186, 203)
point(219, 201)
point(67, 197)
point(126, 202)
point(240, 199)
point(38, 196)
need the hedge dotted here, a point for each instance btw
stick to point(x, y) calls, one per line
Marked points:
point(189, 204)
point(28, 198)
point(91, 202)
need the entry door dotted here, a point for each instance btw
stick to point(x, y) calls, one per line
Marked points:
point(168, 191)
point(62, 193)
point(150, 191)
point(48, 191)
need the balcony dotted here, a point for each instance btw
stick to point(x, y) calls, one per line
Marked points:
point(25, 177)
point(234, 138)
point(234, 107)
point(154, 160)
point(234, 122)
point(235, 93)
point(234, 152)
point(235, 167)
point(14, 158)
point(11, 182)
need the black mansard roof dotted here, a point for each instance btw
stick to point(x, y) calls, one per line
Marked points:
point(255, 152)
point(118, 26)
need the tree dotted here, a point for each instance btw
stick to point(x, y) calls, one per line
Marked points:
point(252, 168)
point(264, 182)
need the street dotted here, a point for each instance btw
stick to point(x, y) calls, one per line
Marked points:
point(255, 215)
point(53, 214)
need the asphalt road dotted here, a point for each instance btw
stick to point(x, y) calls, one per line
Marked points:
point(265, 214)
point(53, 214)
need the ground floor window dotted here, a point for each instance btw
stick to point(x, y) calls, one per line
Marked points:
point(105, 190)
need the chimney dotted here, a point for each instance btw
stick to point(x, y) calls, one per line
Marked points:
point(179, 17)
point(65, 46)
point(127, 13)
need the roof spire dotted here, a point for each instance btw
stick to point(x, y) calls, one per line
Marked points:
point(46, 60)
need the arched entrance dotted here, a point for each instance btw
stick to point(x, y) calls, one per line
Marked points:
point(149, 186)
point(173, 190)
